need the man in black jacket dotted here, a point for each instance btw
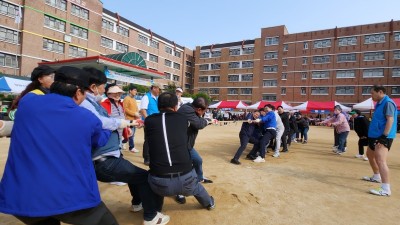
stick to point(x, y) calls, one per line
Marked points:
point(171, 170)
point(361, 125)
point(285, 120)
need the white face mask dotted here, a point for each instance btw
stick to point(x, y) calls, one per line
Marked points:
point(116, 98)
point(98, 97)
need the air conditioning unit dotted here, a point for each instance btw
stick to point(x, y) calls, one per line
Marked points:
point(67, 38)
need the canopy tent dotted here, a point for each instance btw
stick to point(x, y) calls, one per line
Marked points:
point(229, 104)
point(13, 85)
point(311, 105)
point(261, 104)
point(370, 105)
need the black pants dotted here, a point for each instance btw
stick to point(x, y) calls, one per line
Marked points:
point(99, 215)
point(284, 140)
point(146, 155)
point(361, 143)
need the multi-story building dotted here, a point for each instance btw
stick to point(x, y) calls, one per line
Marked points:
point(57, 30)
point(338, 64)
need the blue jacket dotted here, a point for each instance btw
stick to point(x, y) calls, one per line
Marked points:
point(269, 120)
point(378, 123)
point(49, 169)
point(153, 105)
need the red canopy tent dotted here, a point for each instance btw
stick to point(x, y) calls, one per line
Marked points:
point(261, 104)
point(311, 105)
point(229, 105)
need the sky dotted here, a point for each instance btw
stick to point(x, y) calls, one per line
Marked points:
point(207, 22)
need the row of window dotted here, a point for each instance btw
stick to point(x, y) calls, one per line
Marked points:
point(109, 25)
point(231, 91)
point(231, 65)
point(231, 78)
point(109, 43)
point(152, 43)
point(340, 90)
point(169, 76)
point(9, 35)
point(8, 9)
point(8, 60)
point(55, 46)
point(367, 73)
point(75, 9)
point(345, 41)
point(232, 52)
point(60, 25)
point(154, 58)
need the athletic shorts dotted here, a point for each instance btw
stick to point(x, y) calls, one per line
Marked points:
point(373, 141)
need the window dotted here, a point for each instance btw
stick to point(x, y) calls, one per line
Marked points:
point(215, 66)
point(54, 23)
point(285, 47)
point(106, 42)
point(154, 44)
point(121, 47)
point(233, 91)
point(247, 77)
point(53, 46)
point(269, 97)
point(397, 36)
point(188, 63)
point(80, 12)
point(214, 91)
point(271, 55)
point(8, 35)
point(396, 72)
point(344, 90)
point(177, 54)
point(61, 4)
point(177, 66)
point(143, 39)
point(372, 73)
point(270, 83)
point(233, 65)
point(372, 56)
point(8, 60)
point(215, 54)
point(366, 90)
point(247, 64)
point(143, 54)
point(396, 90)
point(168, 50)
point(235, 51)
point(233, 78)
point(305, 45)
point(246, 91)
point(79, 32)
point(321, 59)
point(322, 43)
point(375, 38)
point(305, 60)
point(167, 63)
point(188, 75)
point(303, 91)
point(270, 69)
point(123, 31)
point(204, 55)
point(304, 76)
point(271, 41)
point(167, 76)
point(345, 74)
point(175, 78)
point(214, 78)
point(284, 76)
point(320, 75)
point(283, 91)
point(284, 62)
point(153, 58)
point(75, 51)
point(319, 90)
point(248, 50)
point(346, 57)
point(203, 67)
point(203, 90)
point(203, 79)
point(347, 41)
point(108, 25)
point(396, 54)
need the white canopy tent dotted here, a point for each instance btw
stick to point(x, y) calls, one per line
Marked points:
point(13, 85)
point(365, 105)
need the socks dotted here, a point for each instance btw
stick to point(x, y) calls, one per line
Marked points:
point(377, 176)
point(386, 187)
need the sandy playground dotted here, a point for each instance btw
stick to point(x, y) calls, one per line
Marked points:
point(308, 185)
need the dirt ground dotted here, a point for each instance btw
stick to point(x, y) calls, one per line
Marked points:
point(308, 185)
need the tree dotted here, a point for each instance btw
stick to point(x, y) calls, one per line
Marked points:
point(202, 94)
point(171, 87)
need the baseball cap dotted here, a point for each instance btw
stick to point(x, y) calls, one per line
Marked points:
point(72, 75)
point(156, 85)
point(41, 71)
point(115, 89)
point(355, 111)
point(179, 89)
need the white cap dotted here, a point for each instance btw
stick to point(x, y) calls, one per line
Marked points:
point(115, 89)
point(179, 89)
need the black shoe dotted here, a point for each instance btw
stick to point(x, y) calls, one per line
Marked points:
point(251, 157)
point(285, 150)
point(206, 181)
point(180, 199)
point(146, 162)
point(304, 142)
point(211, 206)
point(235, 161)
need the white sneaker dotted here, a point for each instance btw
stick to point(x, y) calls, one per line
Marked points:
point(259, 159)
point(334, 149)
point(136, 208)
point(371, 179)
point(294, 140)
point(125, 146)
point(118, 183)
point(359, 156)
point(380, 191)
point(134, 150)
point(345, 149)
point(276, 155)
point(365, 158)
point(159, 219)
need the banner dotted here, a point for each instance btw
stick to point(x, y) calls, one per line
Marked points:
point(126, 78)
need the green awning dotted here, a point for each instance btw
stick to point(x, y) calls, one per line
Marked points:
point(129, 57)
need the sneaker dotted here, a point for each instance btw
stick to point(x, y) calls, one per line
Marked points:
point(380, 191)
point(276, 155)
point(136, 208)
point(125, 146)
point(359, 156)
point(180, 199)
point(338, 152)
point(211, 206)
point(206, 181)
point(159, 219)
point(285, 150)
point(134, 150)
point(259, 160)
point(371, 179)
point(365, 158)
point(235, 161)
point(118, 183)
point(251, 157)
point(305, 142)
point(334, 149)
point(294, 140)
point(345, 149)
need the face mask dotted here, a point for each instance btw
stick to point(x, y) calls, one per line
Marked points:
point(98, 97)
point(117, 98)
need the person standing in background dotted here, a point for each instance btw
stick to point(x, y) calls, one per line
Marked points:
point(179, 93)
point(131, 113)
point(361, 126)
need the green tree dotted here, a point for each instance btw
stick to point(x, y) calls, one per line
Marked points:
point(202, 94)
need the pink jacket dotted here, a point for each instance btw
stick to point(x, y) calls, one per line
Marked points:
point(339, 122)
